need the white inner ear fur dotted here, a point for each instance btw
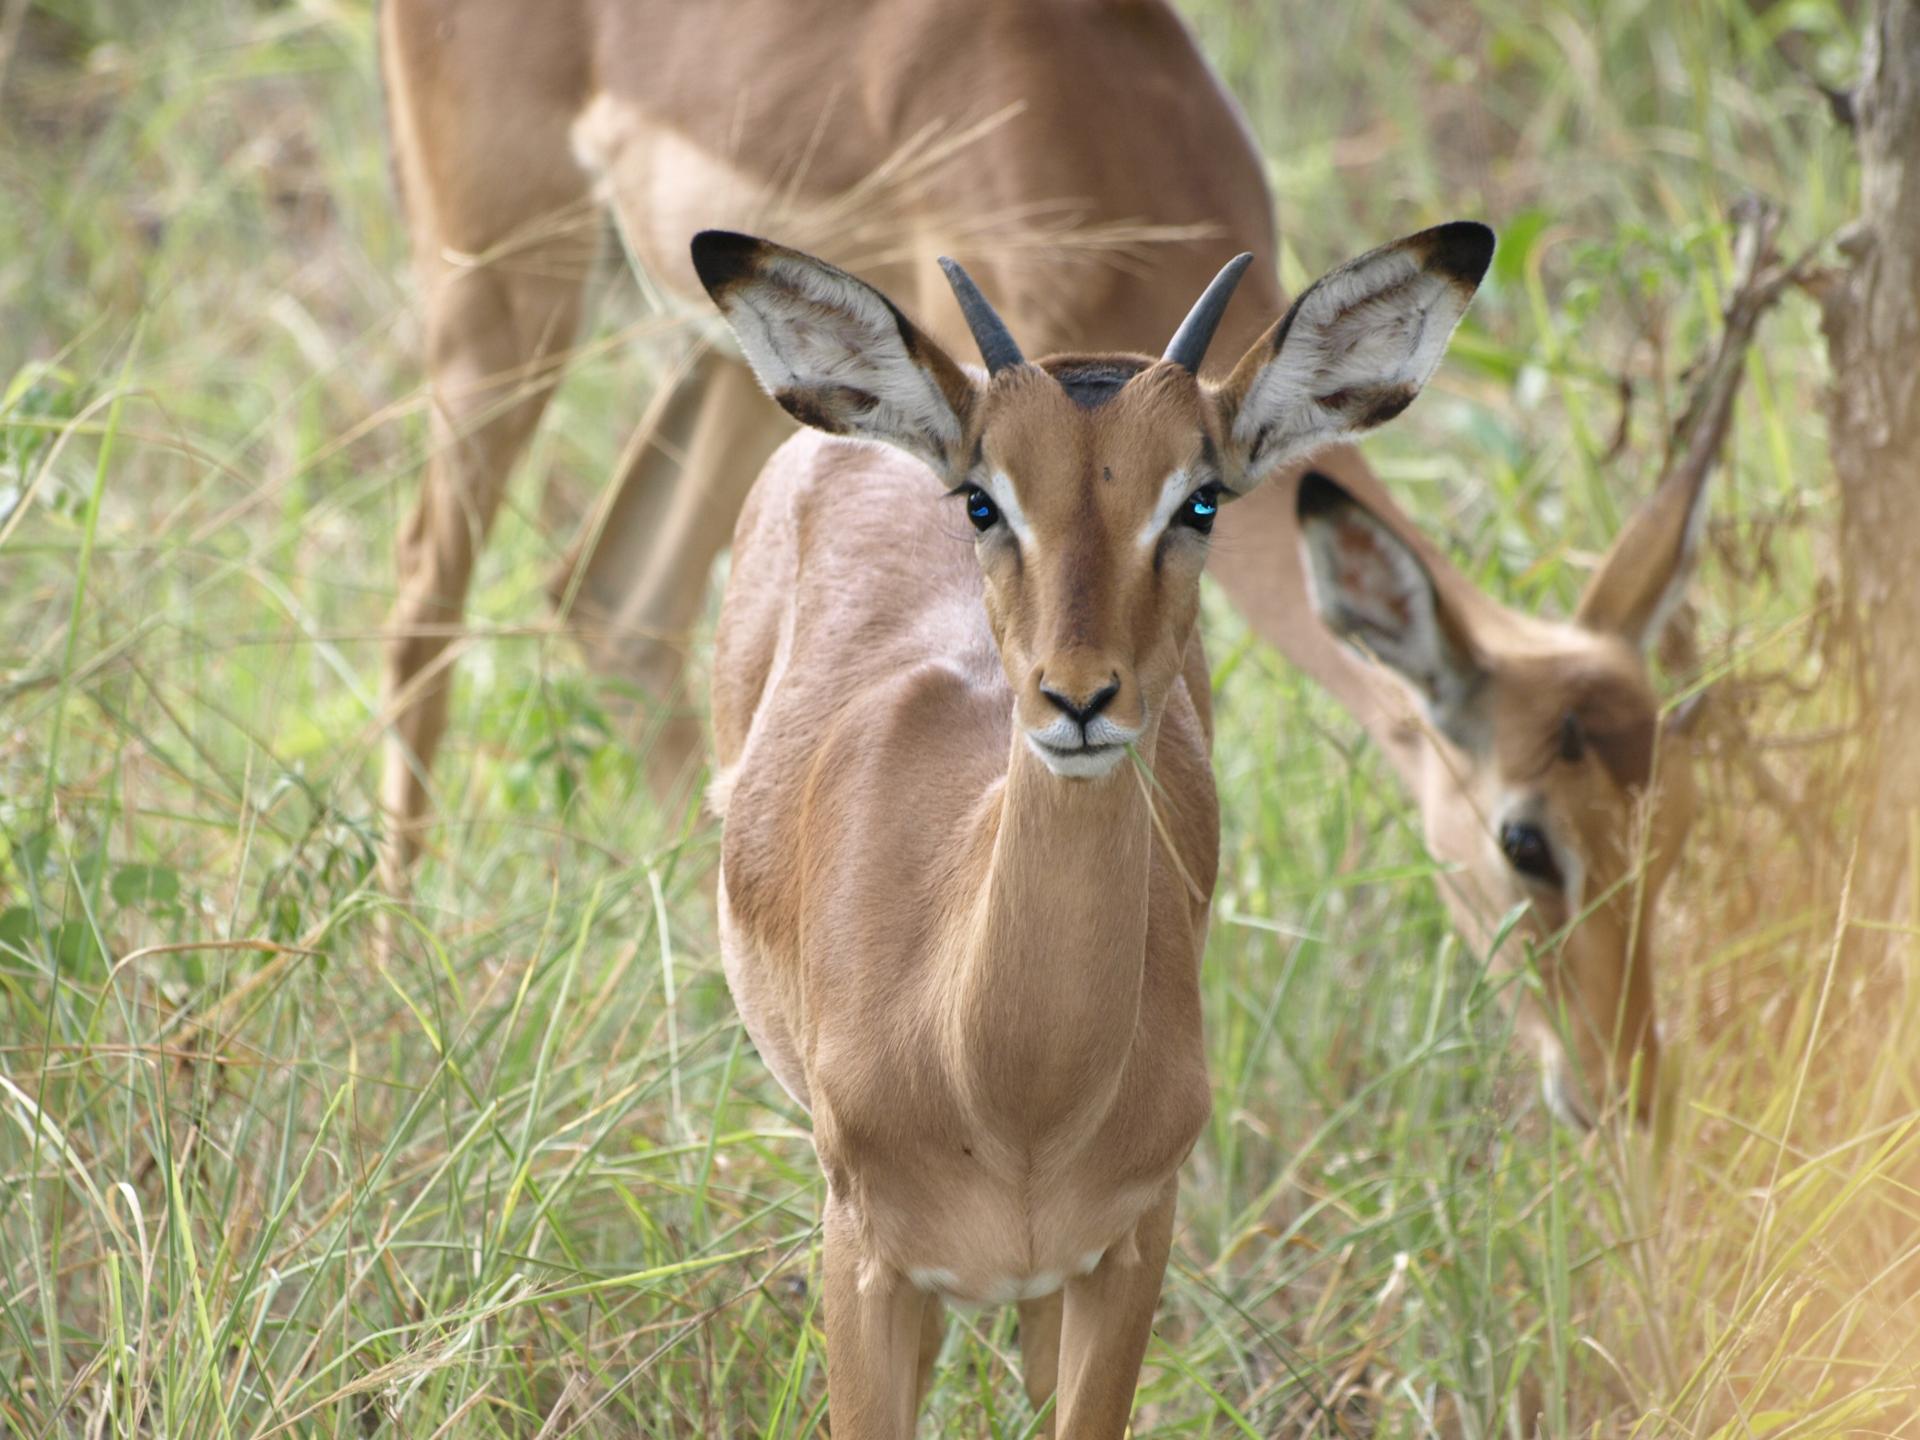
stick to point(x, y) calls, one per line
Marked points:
point(1371, 590)
point(1378, 324)
point(1173, 494)
point(808, 328)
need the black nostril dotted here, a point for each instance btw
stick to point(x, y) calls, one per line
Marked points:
point(1094, 705)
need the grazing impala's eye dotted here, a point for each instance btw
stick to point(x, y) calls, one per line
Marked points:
point(1527, 850)
point(1199, 508)
point(981, 510)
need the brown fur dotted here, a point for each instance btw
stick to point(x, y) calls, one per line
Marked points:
point(682, 126)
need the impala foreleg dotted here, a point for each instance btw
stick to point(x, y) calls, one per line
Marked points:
point(1040, 1349)
point(875, 1321)
point(1105, 1324)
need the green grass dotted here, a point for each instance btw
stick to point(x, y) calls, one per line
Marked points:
point(252, 1184)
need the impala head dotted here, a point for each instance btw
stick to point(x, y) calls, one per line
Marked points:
point(1552, 779)
point(1091, 482)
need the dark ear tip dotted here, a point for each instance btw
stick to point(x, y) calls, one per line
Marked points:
point(1320, 497)
point(722, 257)
point(1461, 249)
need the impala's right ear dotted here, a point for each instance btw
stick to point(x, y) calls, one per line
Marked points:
point(1353, 351)
point(834, 351)
point(1644, 575)
point(1374, 591)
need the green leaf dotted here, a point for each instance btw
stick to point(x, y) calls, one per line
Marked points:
point(147, 886)
point(76, 951)
point(17, 927)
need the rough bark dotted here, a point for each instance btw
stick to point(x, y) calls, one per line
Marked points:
point(1872, 323)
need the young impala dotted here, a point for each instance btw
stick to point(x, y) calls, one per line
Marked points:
point(970, 826)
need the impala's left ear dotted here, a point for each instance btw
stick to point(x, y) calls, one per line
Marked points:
point(1353, 351)
point(1644, 575)
point(1373, 590)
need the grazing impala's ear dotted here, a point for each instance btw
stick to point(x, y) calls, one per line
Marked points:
point(1373, 590)
point(1641, 580)
point(1353, 351)
point(835, 352)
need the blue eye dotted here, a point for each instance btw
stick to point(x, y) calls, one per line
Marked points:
point(1201, 506)
point(981, 510)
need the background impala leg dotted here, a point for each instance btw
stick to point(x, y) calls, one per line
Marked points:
point(504, 235)
point(496, 338)
point(874, 1332)
point(1107, 1320)
point(638, 575)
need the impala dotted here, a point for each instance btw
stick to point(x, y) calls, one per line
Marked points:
point(1538, 752)
point(961, 125)
point(970, 830)
point(1536, 748)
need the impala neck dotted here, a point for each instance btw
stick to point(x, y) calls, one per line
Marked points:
point(1050, 987)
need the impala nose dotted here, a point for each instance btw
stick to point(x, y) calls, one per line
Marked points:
point(1082, 711)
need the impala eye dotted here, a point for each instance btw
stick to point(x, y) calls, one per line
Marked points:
point(981, 510)
point(1199, 508)
point(1526, 848)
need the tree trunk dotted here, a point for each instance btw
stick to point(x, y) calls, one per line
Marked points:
point(1872, 323)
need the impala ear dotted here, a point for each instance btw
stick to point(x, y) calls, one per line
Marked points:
point(1644, 575)
point(836, 353)
point(1372, 589)
point(1353, 351)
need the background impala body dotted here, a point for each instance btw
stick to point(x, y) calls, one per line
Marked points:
point(1077, 155)
point(960, 927)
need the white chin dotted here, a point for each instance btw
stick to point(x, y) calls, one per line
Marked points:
point(1088, 763)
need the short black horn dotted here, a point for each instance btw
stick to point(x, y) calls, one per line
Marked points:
point(1188, 348)
point(990, 332)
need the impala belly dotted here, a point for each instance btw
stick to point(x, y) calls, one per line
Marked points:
point(655, 181)
point(662, 186)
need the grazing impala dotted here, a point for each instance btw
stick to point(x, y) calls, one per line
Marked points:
point(1535, 747)
point(962, 929)
point(1539, 759)
point(878, 135)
